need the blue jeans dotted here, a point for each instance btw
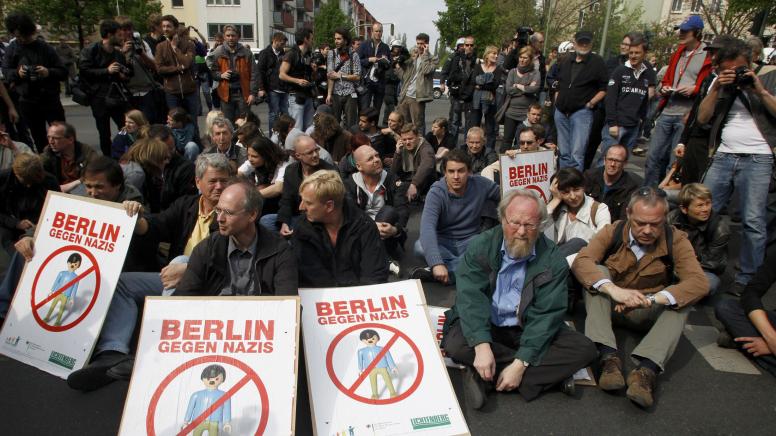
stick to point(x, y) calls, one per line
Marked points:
point(190, 102)
point(451, 250)
point(665, 136)
point(10, 281)
point(750, 176)
point(714, 282)
point(131, 290)
point(626, 136)
point(573, 134)
point(301, 113)
point(278, 104)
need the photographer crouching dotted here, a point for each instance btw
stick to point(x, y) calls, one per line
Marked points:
point(742, 114)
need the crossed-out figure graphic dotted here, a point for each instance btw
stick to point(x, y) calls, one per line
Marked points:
point(66, 298)
point(366, 355)
point(212, 377)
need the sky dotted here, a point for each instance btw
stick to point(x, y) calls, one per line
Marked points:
point(409, 16)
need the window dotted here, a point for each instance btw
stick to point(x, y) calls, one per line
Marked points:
point(223, 2)
point(696, 5)
point(177, 3)
point(713, 6)
point(246, 30)
point(676, 6)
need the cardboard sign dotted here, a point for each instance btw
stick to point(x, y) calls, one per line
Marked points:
point(225, 365)
point(374, 365)
point(436, 315)
point(65, 290)
point(529, 170)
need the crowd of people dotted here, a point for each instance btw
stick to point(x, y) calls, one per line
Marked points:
point(323, 195)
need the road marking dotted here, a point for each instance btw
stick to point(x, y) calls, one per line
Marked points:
point(704, 339)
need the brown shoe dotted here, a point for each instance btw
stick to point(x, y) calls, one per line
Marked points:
point(641, 383)
point(611, 373)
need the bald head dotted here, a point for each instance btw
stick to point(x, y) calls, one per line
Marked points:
point(306, 151)
point(368, 161)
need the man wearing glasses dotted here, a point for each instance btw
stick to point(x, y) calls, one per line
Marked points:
point(507, 324)
point(611, 184)
point(641, 273)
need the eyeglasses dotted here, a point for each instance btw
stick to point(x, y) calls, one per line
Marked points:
point(227, 212)
point(529, 227)
point(647, 192)
point(468, 45)
point(526, 142)
point(613, 160)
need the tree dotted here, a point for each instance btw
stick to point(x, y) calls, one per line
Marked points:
point(735, 17)
point(329, 18)
point(79, 18)
point(511, 14)
point(468, 18)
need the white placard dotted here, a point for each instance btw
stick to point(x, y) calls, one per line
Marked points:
point(222, 364)
point(65, 290)
point(528, 170)
point(374, 364)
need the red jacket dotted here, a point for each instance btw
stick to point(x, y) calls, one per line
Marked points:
point(668, 79)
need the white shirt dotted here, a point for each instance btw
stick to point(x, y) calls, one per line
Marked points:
point(740, 133)
point(582, 227)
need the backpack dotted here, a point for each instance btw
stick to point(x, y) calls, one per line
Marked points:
point(668, 258)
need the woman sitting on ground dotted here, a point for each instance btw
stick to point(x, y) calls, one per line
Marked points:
point(135, 125)
point(143, 167)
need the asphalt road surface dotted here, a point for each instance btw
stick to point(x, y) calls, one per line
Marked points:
point(704, 391)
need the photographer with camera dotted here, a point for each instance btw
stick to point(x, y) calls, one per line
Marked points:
point(297, 71)
point(34, 71)
point(174, 60)
point(399, 54)
point(104, 74)
point(375, 58)
point(457, 74)
point(344, 71)
point(142, 85)
point(742, 114)
point(233, 68)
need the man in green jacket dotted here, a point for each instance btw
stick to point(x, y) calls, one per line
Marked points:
point(507, 323)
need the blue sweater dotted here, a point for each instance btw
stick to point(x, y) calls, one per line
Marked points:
point(448, 216)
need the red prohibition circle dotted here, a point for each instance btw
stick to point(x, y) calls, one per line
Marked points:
point(352, 394)
point(538, 190)
point(207, 359)
point(43, 324)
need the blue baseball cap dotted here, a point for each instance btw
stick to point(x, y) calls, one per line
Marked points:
point(692, 22)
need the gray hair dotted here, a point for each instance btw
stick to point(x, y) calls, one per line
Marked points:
point(222, 122)
point(217, 161)
point(650, 197)
point(301, 137)
point(507, 198)
point(253, 199)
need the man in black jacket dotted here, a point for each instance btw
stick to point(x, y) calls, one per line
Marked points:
point(374, 191)
point(188, 221)
point(338, 244)
point(34, 70)
point(271, 87)
point(375, 57)
point(611, 184)
point(457, 74)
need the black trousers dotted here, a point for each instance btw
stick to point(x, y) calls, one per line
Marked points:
point(737, 323)
point(102, 117)
point(40, 114)
point(568, 352)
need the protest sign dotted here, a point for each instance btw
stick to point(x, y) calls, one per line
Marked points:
point(216, 364)
point(373, 363)
point(65, 290)
point(528, 170)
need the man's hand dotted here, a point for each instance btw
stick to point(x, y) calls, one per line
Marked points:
point(510, 377)
point(171, 274)
point(512, 153)
point(133, 208)
point(484, 361)
point(226, 75)
point(285, 231)
point(6, 141)
point(442, 87)
point(686, 90)
point(67, 187)
point(127, 47)
point(412, 192)
point(24, 225)
point(386, 230)
point(250, 99)
point(114, 68)
point(13, 115)
point(551, 145)
point(328, 99)
point(554, 189)
point(331, 75)
point(42, 71)
point(679, 150)
point(631, 298)
point(262, 94)
point(756, 346)
point(303, 82)
point(614, 131)
point(440, 273)
point(26, 247)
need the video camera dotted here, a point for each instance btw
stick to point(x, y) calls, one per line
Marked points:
point(523, 35)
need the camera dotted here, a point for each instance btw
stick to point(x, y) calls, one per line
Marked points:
point(137, 43)
point(124, 70)
point(30, 72)
point(523, 34)
point(742, 79)
point(317, 59)
point(234, 76)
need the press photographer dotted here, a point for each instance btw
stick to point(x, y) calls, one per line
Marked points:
point(232, 67)
point(145, 92)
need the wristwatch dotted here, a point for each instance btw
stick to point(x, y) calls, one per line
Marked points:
point(525, 364)
point(651, 298)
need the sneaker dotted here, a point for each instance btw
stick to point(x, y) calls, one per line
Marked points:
point(423, 274)
point(394, 268)
point(95, 374)
point(737, 289)
point(611, 373)
point(641, 383)
point(474, 388)
point(122, 370)
point(638, 151)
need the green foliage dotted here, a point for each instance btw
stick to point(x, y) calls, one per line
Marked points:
point(328, 18)
point(468, 17)
point(79, 18)
point(621, 21)
point(735, 16)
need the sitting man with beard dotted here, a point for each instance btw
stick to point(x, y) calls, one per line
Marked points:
point(507, 323)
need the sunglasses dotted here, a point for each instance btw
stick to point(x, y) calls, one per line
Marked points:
point(647, 192)
point(526, 142)
point(468, 45)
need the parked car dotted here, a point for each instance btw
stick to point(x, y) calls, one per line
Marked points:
point(438, 85)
